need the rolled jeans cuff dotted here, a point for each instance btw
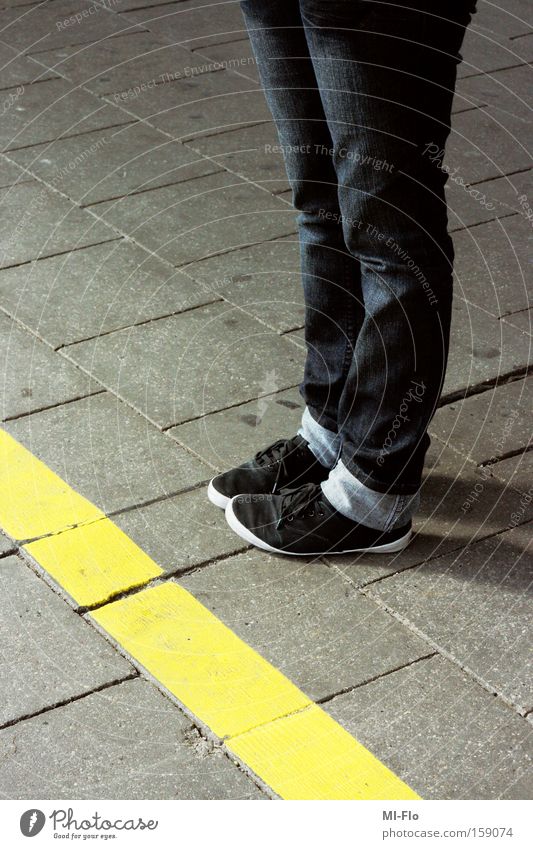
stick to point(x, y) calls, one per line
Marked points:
point(323, 443)
point(381, 511)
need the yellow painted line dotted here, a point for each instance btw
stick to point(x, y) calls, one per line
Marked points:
point(199, 660)
point(291, 744)
point(310, 756)
point(33, 500)
point(94, 562)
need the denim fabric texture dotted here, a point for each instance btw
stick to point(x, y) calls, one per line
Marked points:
point(361, 92)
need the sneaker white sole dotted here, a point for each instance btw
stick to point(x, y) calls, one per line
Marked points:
point(216, 497)
point(240, 529)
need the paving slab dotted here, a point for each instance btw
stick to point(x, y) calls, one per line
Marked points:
point(510, 21)
point(508, 91)
point(126, 742)
point(484, 143)
point(7, 545)
point(459, 505)
point(33, 375)
point(487, 52)
point(305, 619)
point(52, 109)
point(493, 265)
point(252, 152)
point(187, 365)
point(181, 532)
point(232, 436)
point(95, 290)
point(112, 163)
point(474, 606)
point(121, 64)
point(206, 103)
point(49, 653)
point(486, 426)
point(190, 22)
point(11, 173)
point(490, 199)
point(522, 320)
point(186, 222)
point(20, 70)
point(482, 349)
point(43, 26)
point(262, 279)
point(237, 55)
point(26, 234)
point(108, 453)
point(441, 733)
point(517, 472)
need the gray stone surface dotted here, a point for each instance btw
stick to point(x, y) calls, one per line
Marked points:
point(27, 233)
point(497, 21)
point(49, 654)
point(11, 173)
point(508, 90)
point(189, 221)
point(232, 436)
point(204, 103)
point(7, 545)
point(252, 152)
point(522, 320)
point(475, 606)
point(108, 453)
point(236, 55)
point(441, 732)
point(489, 425)
point(19, 70)
point(485, 143)
point(94, 290)
point(126, 742)
point(517, 472)
point(482, 349)
point(181, 532)
point(54, 108)
point(44, 27)
point(459, 505)
point(262, 279)
point(484, 52)
point(120, 64)
point(302, 617)
point(34, 376)
point(185, 366)
point(111, 163)
point(493, 265)
point(483, 201)
point(191, 22)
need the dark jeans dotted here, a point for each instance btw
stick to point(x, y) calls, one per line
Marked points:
point(361, 93)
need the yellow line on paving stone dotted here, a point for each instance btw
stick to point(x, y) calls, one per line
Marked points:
point(310, 756)
point(265, 720)
point(94, 562)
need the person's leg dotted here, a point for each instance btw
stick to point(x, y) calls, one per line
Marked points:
point(330, 274)
point(386, 73)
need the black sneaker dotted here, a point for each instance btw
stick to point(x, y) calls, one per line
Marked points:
point(286, 463)
point(302, 521)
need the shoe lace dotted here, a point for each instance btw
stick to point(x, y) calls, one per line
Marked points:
point(279, 453)
point(299, 502)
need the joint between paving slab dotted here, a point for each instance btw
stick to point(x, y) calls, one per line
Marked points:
point(325, 699)
point(438, 649)
point(7, 150)
point(215, 300)
point(479, 388)
point(59, 253)
point(516, 452)
point(149, 188)
point(25, 415)
point(62, 702)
